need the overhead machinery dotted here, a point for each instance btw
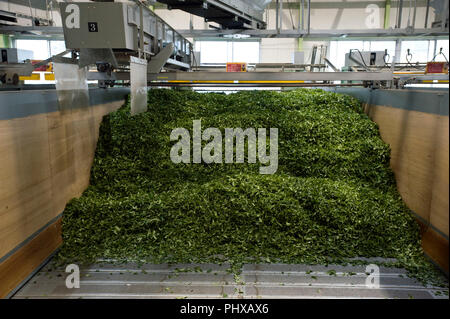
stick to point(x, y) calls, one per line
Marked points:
point(229, 14)
point(126, 43)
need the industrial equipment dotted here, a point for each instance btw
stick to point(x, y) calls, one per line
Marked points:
point(108, 34)
point(11, 64)
point(229, 14)
point(364, 58)
point(117, 51)
point(17, 64)
point(126, 36)
point(120, 38)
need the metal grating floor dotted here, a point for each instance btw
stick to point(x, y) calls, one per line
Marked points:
point(213, 281)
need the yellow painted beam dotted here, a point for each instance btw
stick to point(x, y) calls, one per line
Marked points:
point(50, 76)
point(32, 77)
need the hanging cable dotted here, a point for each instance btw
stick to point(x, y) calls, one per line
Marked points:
point(386, 55)
point(360, 54)
point(440, 53)
point(408, 57)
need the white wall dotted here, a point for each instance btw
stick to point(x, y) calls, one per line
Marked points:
point(353, 16)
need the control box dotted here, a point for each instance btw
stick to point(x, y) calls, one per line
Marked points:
point(368, 58)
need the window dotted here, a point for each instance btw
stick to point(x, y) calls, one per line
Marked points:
point(57, 47)
point(245, 52)
point(421, 51)
point(444, 45)
point(40, 48)
point(212, 51)
point(228, 51)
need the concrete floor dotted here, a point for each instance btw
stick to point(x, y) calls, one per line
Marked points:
point(213, 281)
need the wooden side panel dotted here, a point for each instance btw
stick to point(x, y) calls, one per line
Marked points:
point(412, 154)
point(45, 161)
point(420, 159)
point(436, 247)
point(20, 264)
point(439, 210)
point(72, 145)
point(26, 186)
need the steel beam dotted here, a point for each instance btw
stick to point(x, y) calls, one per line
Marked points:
point(271, 76)
point(424, 32)
point(31, 30)
point(249, 85)
point(406, 32)
point(236, 77)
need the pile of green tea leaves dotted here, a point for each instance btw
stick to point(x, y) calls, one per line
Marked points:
point(333, 197)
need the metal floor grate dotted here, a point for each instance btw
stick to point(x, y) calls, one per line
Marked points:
point(213, 281)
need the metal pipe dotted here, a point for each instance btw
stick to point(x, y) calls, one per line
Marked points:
point(414, 14)
point(46, 11)
point(335, 69)
point(398, 50)
point(399, 12)
point(303, 15)
point(426, 14)
point(155, 38)
point(31, 13)
point(51, 12)
point(408, 24)
point(281, 14)
point(277, 17)
point(141, 32)
point(435, 48)
point(387, 14)
point(309, 16)
point(444, 15)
